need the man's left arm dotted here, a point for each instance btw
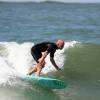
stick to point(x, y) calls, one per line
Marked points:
point(54, 63)
point(41, 60)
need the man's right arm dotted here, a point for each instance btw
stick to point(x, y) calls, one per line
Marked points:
point(41, 60)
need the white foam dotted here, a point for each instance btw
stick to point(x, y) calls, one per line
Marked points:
point(19, 56)
point(5, 71)
point(16, 58)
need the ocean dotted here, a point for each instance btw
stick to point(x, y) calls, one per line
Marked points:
point(24, 24)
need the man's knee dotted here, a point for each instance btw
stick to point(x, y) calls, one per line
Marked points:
point(41, 65)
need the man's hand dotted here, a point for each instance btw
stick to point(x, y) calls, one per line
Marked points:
point(41, 61)
point(58, 68)
point(53, 62)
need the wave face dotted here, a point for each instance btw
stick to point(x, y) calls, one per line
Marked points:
point(80, 69)
point(82, 62)
point(16, 59)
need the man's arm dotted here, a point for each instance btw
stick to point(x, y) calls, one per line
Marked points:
point(53, 62)
point(41, 60)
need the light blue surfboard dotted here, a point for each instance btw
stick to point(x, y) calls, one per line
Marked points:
point(49, 83)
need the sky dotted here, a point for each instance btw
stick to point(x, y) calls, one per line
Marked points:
point(89, 1)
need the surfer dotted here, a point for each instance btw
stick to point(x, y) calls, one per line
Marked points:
point(46, 47)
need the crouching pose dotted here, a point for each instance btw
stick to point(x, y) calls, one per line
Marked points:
point(46, 47)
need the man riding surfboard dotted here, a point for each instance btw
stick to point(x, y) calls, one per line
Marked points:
point(46, 47)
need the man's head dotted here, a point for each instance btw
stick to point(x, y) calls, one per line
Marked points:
point(60, 44)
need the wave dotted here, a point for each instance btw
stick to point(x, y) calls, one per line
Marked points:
point(82, 62)
point(16, 59)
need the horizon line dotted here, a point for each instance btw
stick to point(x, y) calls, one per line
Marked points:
point(26, 1)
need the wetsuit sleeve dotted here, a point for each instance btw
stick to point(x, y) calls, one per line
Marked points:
point(52, 53)
point(51, 49)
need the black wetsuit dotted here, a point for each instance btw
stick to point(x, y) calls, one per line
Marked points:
point(37, 50)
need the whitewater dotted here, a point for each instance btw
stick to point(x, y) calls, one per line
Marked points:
point(16, 59)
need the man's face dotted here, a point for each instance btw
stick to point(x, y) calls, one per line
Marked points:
point(61, 46)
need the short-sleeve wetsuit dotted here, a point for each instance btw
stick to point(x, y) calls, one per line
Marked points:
point(37, 49)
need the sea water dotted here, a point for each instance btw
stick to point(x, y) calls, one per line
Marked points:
point(23, 25)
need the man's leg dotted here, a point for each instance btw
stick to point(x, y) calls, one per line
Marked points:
point(36, 69)
point(36, 55)
point(39, 68)
point(32, 70)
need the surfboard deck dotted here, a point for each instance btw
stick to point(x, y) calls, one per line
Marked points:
point(45, 82)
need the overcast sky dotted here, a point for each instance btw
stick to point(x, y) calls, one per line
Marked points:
point(91, 1)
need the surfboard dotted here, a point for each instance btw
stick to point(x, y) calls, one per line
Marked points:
point(45, 82)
